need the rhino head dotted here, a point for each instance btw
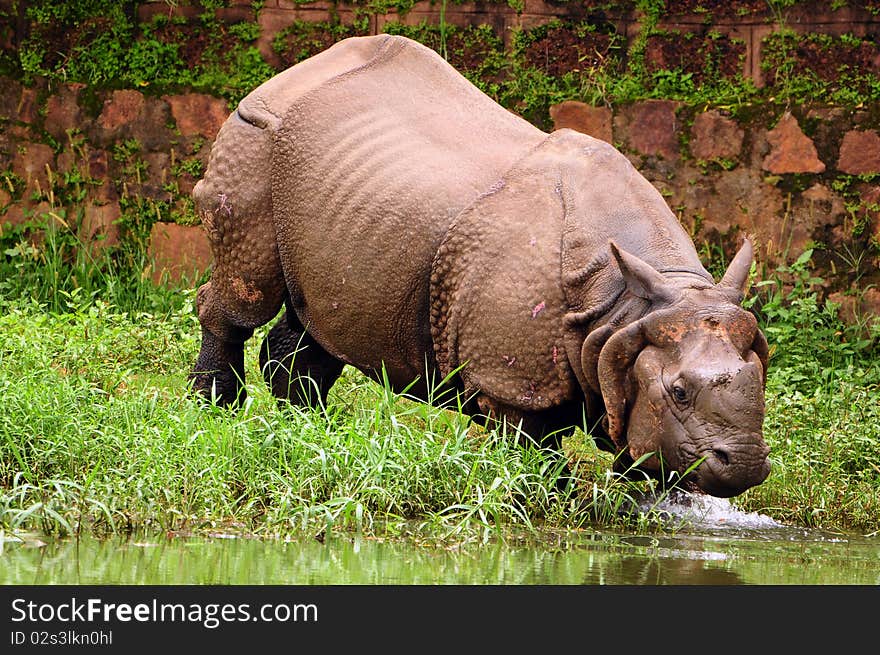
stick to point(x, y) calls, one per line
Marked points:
point(683, 386)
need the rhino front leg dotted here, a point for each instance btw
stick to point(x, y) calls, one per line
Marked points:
point(228, 314)
point(294, 366)
point(546, 428)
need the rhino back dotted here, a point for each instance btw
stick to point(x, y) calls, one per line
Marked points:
point(370, 167)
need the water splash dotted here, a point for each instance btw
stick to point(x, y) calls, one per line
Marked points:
point(702, 511)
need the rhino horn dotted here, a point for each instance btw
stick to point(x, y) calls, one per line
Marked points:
point(641, 278)
point(736, 278)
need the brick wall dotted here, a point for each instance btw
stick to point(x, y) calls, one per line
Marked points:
point(747, 21)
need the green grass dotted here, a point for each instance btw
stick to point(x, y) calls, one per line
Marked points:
point(823, 413)
point(97, 430)
point(99, 434)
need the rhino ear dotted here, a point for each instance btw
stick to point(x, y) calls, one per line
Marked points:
point(736, 279)
point(762, 350)
point(641, 278)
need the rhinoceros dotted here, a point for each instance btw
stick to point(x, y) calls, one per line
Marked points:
point(413, 228)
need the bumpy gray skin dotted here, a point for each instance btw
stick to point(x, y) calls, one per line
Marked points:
point(410, 224)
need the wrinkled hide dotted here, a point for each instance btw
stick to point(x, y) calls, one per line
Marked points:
point(413, 228)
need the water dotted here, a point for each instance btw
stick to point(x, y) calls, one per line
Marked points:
point(699, 512)
point(711, 543)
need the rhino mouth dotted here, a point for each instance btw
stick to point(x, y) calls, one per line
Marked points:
point(724, 471)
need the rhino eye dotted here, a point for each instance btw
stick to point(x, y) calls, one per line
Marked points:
point(679, 393)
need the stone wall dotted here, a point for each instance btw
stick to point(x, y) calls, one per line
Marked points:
point(765, 177)
point(139, 155)
point(794, 176)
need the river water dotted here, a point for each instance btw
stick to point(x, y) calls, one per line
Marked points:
point(710, 542)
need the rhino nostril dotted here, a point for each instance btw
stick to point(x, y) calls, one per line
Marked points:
point(721, 456)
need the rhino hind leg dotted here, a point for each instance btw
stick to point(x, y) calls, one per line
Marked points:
point(295, 367)
point(247, 287)
point(227, 323)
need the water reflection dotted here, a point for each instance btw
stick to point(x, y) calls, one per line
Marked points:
point(572, 558)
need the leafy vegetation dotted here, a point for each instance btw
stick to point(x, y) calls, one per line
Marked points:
point(823, 404)
point(104, 44)
point(97, 432)
point(53, 254)
point(100, 43)
point(820, 65)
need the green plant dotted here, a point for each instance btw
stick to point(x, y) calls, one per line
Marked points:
point(651, 11)
point(84, 380)
point(790, 63)
point(247, 32)
point(475, 51)
point(808, 341)
point(91, 382)
point(192, 166)
point(302, 39)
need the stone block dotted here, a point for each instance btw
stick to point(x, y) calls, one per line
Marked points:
point(151, 183)
point(860, 152)
point(33, 162)
point(178, 252)
point(12, 216)
point(234, 14)
point(151, 127)
point(575, 115)
point(870, 202)
point(9, 98)
point(98, 228)
point(317, 5)
point(23, 212)
point(715, 136)
point(809, 214)
point(198, 114)
point(854, 310)
point(650, 128)
point(735, 200)
point(98, 163)
point(26, 112)
point(122, 108)
point(791, 151)
point(63, 112)
point(871, 303)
